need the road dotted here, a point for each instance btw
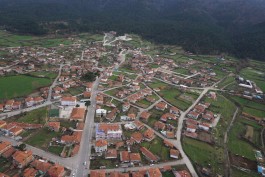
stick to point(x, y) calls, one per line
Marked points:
point(85, 145)
point(54, 83)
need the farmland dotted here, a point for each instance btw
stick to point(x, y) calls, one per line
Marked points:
point(21, 85)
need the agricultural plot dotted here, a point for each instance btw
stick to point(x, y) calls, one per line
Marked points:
point(244, 137)
point(21, 85)
point(254, 75)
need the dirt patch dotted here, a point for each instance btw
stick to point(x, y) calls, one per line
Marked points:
point(242, 162)
point(249, 133)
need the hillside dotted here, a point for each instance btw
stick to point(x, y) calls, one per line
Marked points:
point(200, 26)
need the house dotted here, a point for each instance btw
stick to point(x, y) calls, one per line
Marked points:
point(140, 173)
point(4, 146)
point(100, 99)
point(9, 104)
point(86, 94)
point(149, 155)
point(54, 126)
point(149, 135)
point(3, 175)
point(41, 165)
point(29, 101)
point(193, 115)
point(101, 113)
point(22, 158)
point(72, 139)
point(139, 125)
point(1, 107)
point(153, 172)
point(137, 137)
point(56, 171)
point(29, 172)
point(101, 145)
point(38, 100)
point(161, 106)
point(159, 125)
point(135, 158)
point(124, 157)
point(204, 126)
point(16, 105)
point(2, 124)
point(168, 144)
point(97, 173)
point(125, 106)
point(199, 108)
point(108, 131)
point(182, 173)
point(111, 154)
point(78, 114)
point(145, 115)
point(68, 101)
point(174, 153)
point(191, 128)
point(174, 110)
point(112, 115)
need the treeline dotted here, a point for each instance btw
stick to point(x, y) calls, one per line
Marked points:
point(193, 24)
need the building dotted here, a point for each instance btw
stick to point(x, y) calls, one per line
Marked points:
point(149, 155)
point(174, 153)
point(101, 145)
point(78, 114)
point(54, 126)
point(97, 173)
point(68, 101)
point(56, 171)
point(22, 158)
point(149, 135)
point(153, 172)
point(4, 146)
point(108, 131)
point(182, 173)
point(101, 113)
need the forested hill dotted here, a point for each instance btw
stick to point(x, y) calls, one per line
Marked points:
point(200, 26)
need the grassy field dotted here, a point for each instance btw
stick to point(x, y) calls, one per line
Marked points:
point(50, 75)
point(204, 154)
point(21, 85)
point(239, 173)
point(226, 81)
point(13, 40)
point(238, 145)
point(226, 108)
point(56, 149)
point(42, 138)
point(37, 116)
point(254, 75)
point(250, 107)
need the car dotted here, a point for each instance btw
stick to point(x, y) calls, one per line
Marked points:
point(152, 164)
point(73, 174)
point(84, 163)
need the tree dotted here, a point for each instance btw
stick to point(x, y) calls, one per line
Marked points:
point(22, 147)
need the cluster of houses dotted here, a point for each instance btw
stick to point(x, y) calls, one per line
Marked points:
point(28, 163)
point(150, 172)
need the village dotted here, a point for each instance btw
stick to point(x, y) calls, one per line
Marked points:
point(113, 107)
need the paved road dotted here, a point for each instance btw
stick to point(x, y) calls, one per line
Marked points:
point(54, 83)
point(85, 145)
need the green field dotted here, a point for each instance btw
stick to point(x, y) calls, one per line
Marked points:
point(227, 81)
point(37, 116)
point(56, 149)
point(238, 145)
point(13, 40)
point(50, 75)
point(254, 75)
point(21, 85)
point(42, 138)
point(204, 154)
point(239, 173)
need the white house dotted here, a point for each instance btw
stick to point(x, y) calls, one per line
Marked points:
point(68, 101)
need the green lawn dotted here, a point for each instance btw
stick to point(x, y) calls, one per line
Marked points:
point(226, 81)
point(37, 116)
point(204, 154)
point(157, 84)
point(254, 112)
point(50, 75)
point(21, 85)
point(56, 149)
point(42, 138)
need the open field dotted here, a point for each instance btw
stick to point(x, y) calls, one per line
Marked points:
point(204, 154)
point(229, 80)
point(239, 173)
point(240, 146)
point(50, 75)
point(21, 85)
point(13, 40)
point(37, 116)
point(254, 75)
point(42, 138)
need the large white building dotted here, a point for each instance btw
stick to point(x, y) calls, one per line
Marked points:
point(108, 131)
